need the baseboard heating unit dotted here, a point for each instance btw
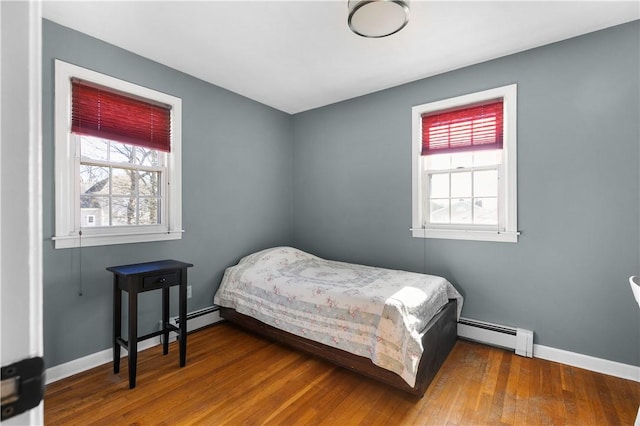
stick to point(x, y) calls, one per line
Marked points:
point(200, 318)
point(518, 339)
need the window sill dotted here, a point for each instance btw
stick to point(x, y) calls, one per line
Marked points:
point(72, 241)
point(470, 235)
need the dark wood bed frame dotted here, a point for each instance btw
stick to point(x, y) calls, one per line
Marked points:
point(439, 336)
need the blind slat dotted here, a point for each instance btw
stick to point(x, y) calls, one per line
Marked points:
point(468, 129)
point(105, 114)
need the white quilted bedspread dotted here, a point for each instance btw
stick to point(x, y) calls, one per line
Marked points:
point(372, 312)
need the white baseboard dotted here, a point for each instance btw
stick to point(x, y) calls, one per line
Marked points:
point(599, 365)
point(612, 368)
point(504, 336)
point(88, 362)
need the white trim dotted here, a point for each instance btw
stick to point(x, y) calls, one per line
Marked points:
point(462, 234)
point(88, 362)
point(35, 181)
point(500, 337)
point(599, 365)
point(21, 195)
point(107, 239)
point(508, 231)
point(67, 209)
point(510, 164)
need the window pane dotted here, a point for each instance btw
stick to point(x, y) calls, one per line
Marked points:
point(147, 157)
point(94, 211)
point(485, 183)
point(439, 187)
point(487, 158)
point(148, 183)
point(94, 148)
point(439, 211)
point(149, 211)
point(94, 179)
point(461, 210)
point(123, 181)
point(461, 160)
point(121, 153)
point(123, 211)
point(485, 211)
point(438, 161)
point(461, 184)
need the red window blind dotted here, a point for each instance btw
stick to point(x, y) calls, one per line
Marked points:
point(468, 129)
point(106, 114)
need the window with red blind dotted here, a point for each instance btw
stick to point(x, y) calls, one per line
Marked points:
point(464, 161)
point(109, 115)
point(471, 128)
point(118, 156)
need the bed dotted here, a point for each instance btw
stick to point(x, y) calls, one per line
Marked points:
point(394, 326)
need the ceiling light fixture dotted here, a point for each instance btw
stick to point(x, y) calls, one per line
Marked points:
point(377, 18)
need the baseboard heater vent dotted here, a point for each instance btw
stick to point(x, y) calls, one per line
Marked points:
point(200, 318)
point(518, 339)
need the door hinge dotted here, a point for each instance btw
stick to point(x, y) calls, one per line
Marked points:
point(22, 386)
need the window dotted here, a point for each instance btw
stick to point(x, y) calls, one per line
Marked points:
point(464, 167)
point(118, 161)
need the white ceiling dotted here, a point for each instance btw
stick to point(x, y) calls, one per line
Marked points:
point(299, 55)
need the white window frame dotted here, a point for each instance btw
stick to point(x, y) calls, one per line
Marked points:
point(68, 232)
point(507, 228)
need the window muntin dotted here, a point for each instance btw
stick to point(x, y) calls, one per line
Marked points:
point(110, 192)
point(461, 188)
point(464, 167)
point(120, 184)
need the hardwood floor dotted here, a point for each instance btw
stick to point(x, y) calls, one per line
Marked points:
point(234, 377)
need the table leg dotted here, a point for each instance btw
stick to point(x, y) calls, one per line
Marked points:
point(133, 335)
point(165, 320)
point(183, 317)
point(117, 323)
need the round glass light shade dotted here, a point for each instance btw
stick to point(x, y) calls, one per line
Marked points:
point(378, 18)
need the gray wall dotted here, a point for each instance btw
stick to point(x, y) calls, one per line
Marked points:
point(336, 181)
point(578, 192)
point(236, 186)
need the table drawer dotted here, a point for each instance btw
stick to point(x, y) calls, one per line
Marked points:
point(159, 281)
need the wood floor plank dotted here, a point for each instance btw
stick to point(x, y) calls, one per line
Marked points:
point(627, 406)
point(320, 399)
point(511, 392)
point(234, 377)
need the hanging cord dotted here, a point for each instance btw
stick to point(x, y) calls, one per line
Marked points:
point(424, 249)
point(423, 228)
point(80, 263)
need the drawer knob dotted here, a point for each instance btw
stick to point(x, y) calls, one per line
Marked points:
point(161, 280)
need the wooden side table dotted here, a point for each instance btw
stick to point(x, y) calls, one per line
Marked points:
point(138, 278)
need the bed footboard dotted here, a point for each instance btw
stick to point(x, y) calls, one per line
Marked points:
point(438, 339)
